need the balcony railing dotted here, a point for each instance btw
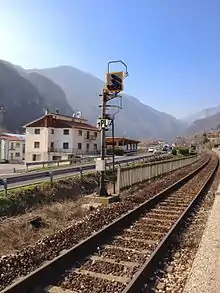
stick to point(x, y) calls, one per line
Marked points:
point(90, 137)
point(72, 151)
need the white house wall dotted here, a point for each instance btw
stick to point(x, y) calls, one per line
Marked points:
point(12, 150)
point(45, 138)
point(42, 138)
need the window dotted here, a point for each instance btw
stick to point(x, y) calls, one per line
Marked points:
point(80, 132)
point(36, 144)
point(87, 134)
point(79, 146)
point(95, 134)
point(17, 145)
point(52, 145)
point(65, 145)
point(12, 145)
point(95, 146)
point(52, 131)
point(66, 131)
point(87, 147)
point(17, 155)
point(37, 131)
point(36, 157)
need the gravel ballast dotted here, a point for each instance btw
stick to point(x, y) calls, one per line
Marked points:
point(178, 272)
point(205, 273)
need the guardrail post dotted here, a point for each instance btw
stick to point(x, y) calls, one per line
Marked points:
point(5, 183)
point(81, 173)
point(51, 177)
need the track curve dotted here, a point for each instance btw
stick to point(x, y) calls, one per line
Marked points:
point(117, 258)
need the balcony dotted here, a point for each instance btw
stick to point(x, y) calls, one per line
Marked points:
point(57, 151)
point(90, 137)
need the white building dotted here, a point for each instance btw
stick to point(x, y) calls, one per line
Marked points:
point(12, 147)
point(60, 137)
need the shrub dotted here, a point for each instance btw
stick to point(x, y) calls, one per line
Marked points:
point(183, 151)
point(118, 152)
point(174, 152)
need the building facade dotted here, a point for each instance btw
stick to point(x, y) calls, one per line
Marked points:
point(12, 147)
point(60, 137)
point(128, 145)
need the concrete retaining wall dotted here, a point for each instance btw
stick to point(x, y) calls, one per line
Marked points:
point(132, 175)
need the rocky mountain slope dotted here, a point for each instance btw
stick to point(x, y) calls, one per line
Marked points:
point(20, 98)
point(202, 114)
point(205, 124)
point(135, 120)
point(26, 95)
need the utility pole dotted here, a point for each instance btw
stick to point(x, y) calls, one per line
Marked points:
point(114, 85)
point(113, 151)
point(103, 190)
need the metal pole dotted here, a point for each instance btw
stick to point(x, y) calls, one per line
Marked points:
point(113, 151)
point(103, 191)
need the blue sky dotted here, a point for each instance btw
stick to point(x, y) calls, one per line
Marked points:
point(172, 47)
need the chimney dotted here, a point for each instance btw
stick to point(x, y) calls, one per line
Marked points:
point(57, 111)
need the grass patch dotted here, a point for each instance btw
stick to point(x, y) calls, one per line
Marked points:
point(25, 198)
point(22, 199)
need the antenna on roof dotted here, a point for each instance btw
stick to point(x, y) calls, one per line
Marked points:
point(46, 111)
point(2, 111)
point(78, 114)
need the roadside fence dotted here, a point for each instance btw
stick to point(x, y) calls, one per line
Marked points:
point(129, 176)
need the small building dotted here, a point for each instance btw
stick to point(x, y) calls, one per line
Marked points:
point(12, 147)
point(60, 137)
point(128, 145)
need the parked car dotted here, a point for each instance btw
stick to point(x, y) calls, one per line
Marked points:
point(150, 150)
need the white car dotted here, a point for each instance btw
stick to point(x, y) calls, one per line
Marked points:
point(150, 150)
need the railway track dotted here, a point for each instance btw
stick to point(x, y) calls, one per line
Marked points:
point(121, 256)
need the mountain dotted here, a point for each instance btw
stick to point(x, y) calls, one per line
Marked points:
point(20, 99)
point(205, 124)
point(30, 93)
point(135, 120)
point(201, 114)
point(53, 94)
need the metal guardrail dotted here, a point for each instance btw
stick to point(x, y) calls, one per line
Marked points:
point(44, 174)
point(58, 162)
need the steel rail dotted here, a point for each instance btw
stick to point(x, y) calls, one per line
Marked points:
point(148, 267)
point(51, 271)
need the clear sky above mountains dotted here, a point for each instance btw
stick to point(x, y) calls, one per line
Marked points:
point(172, 47)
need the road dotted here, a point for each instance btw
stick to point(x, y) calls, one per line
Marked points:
point(37, 177)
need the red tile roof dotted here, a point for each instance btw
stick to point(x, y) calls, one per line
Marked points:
point(121, 139)
point(10, 138)
point(58, 121)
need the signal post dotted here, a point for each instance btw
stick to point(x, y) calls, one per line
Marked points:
point(114, 85)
